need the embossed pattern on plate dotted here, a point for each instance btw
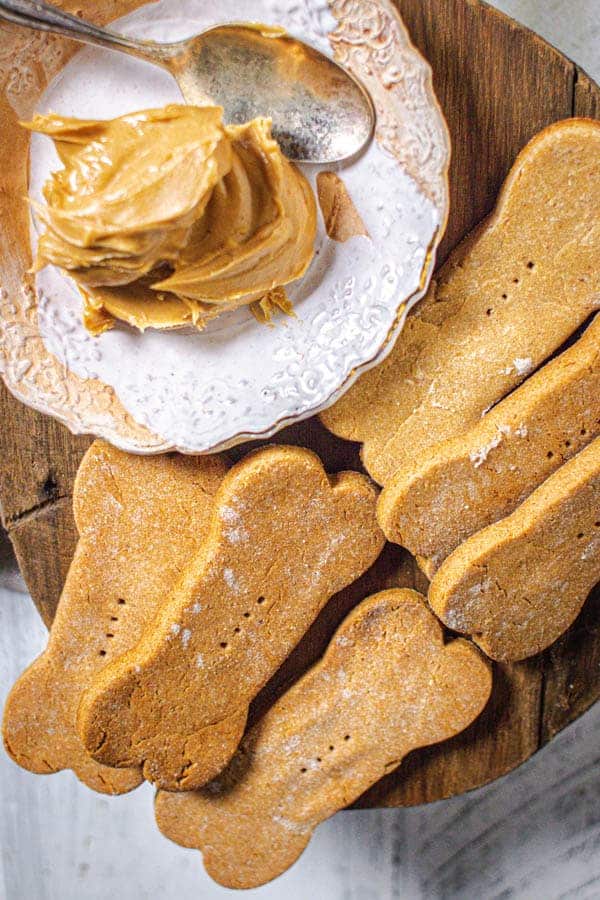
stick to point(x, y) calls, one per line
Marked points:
point(202, 392)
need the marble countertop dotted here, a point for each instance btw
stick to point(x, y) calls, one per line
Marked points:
point(533, 834)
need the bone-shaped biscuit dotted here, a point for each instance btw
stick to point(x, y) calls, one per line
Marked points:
point(140, 520)
point(387, 684)
point(517, 585)
point(471, 481)
point(284, 537)
point(506, 299)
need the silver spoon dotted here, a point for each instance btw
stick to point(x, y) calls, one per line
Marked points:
point(320, 112)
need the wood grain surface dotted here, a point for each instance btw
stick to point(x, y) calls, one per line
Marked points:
point(498, 85)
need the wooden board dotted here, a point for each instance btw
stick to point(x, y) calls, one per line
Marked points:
point(498, 84)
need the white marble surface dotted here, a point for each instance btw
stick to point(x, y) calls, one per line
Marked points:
point(533, 835)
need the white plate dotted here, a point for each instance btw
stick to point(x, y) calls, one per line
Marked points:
point(202, 392)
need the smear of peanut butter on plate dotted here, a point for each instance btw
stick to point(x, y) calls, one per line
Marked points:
point(341, 217)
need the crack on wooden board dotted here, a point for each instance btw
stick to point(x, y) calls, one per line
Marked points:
point(541, 723)
point(12, 523)
point(576, 76)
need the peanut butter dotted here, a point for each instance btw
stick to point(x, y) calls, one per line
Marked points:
point(166, 218)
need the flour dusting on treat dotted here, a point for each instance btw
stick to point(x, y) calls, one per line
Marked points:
point(182, 713)
point(387, 684)
point(471, 481)
point(517, 585)
point(480, 455)
point(139, 519)
point(504, 302)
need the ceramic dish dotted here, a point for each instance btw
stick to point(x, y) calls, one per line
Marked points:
point(201, 392)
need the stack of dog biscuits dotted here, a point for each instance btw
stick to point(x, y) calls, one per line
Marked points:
point(191, 583)
point(484, 424)
point(508, 297)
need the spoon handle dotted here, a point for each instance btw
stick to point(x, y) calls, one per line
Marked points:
point(45, 17)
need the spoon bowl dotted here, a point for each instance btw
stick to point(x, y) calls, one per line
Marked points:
point(320, 112)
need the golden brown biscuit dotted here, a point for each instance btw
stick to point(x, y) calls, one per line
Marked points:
point(387, 684)
point(506, 299)
point(517, 585)
point(140, 519)
point(283, 538)
point(467, 483)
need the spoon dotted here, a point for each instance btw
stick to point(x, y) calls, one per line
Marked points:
point(320, 112)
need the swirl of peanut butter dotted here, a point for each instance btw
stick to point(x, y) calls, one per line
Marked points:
point(167, 218)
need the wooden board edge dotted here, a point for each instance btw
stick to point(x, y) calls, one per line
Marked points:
point(586, 95)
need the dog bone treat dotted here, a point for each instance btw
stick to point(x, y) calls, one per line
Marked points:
point(506, 299)
point(140, 519)
point(387, 684)
point(517, 585)
point(283, 538)
point(466, 483)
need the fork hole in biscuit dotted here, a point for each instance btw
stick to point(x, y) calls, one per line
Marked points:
point(331, 748)
point(531, 265)
point(505, 296)
point(303, 770)
point(223, 645)
point(488, 312)
point(550, 454)
point(102, 653)
point(596, 524)
point(237, 629)
point(516, 280)
point(246, 615)
point(109, 634)
point(346, 737)
point(113, 619)
point(567, 443)
point(260, 600)
point(121, 602)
